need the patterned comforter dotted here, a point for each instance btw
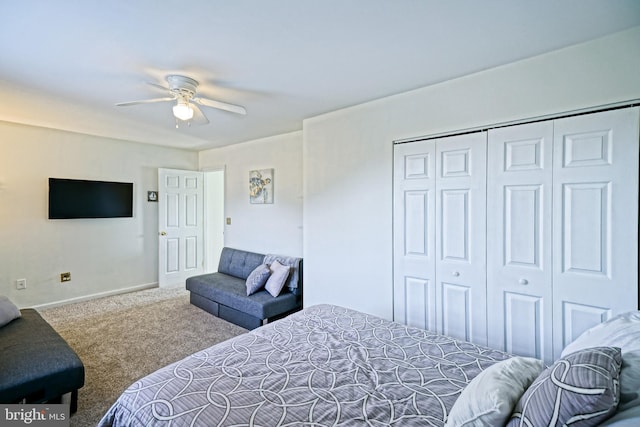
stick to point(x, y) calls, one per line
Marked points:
point(323, 366)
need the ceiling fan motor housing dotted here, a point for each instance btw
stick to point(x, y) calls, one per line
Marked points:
point(182, 86)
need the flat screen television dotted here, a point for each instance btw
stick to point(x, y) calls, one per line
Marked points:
point(76, 198)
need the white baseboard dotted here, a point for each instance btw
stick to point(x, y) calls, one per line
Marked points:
point(94, 296)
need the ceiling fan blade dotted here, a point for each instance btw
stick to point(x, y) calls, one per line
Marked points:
point(144, 101)
point(220, 105)
point(166, 89)
point(199, 117)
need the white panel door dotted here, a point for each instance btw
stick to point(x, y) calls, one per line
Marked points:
point(180, 218)
point(595, 242)
point(519, 215)
point(461, 236)
point(414, 234)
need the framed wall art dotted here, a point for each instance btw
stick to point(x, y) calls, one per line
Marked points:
point(261, 186)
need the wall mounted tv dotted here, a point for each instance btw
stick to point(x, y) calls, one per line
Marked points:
point(75, 198)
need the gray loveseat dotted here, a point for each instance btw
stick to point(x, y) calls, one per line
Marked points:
point(224, 294)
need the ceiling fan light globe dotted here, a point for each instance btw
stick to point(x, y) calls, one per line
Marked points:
point(183, 111)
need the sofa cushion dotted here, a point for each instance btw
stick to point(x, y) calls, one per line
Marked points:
point(232, 292)
point(238, 263)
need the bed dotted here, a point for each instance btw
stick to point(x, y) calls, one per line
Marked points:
point(329, 365)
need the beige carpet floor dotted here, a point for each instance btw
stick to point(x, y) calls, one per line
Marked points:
point(125, 337)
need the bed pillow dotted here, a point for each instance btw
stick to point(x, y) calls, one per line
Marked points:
point(489, 398)
point(620, 331)
point(257, 278)
point(628, 418)
point(8, 311)
point(580, 389)
point(276, 281)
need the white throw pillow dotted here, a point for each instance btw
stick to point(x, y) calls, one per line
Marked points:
point(621, 331)
point(8, 311)
point(490, 397)
point(278, 278)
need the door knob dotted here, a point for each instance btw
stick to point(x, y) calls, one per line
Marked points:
point(523, 281)
point(455, 273)
point(163, 233)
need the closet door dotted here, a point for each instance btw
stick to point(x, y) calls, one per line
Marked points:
point(414, 234)
point(595, 242)
point(519, 197)
point(461, 236)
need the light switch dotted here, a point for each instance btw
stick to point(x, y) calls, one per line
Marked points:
point(228, 221)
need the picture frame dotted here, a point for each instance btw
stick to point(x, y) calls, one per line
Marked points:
point(261, 186)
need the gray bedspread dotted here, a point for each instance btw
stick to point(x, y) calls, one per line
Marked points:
point(323, 366)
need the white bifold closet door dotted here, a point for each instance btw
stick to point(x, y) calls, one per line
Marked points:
point(595, 221)
point(521, 237)
point(562, 217)
point(414, 225)
point(439, 235)
point(519, 223)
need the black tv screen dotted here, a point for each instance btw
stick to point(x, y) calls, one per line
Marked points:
point(75, 198)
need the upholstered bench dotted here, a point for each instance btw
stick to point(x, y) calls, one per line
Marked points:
point(36, 364)
point(224, 294)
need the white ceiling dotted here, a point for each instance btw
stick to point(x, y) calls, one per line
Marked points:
point(65, 63)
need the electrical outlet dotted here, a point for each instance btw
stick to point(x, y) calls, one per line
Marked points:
point(65, 277)
point(21, 284)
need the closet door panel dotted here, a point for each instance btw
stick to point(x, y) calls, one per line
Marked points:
point(596, 220)
point(577, 318)
point(456, 299)
point(461, 236)
point(519, 239)
point(524, 329)
point(414, 234)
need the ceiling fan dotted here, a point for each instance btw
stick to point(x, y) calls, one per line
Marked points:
point(183, 91)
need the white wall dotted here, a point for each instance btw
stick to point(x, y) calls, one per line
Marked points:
point(266, 228)
point(103, 255)
point(214, 222)
point(348, 155)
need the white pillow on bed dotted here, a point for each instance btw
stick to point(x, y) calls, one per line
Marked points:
point(621, 331)
point(490, 397)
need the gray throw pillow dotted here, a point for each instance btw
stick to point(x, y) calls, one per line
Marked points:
point(257, 278)
point(580, 389)
point(8, 311)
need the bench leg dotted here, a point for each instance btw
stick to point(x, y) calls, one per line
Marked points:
point(74, 402)
point(70, 399)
